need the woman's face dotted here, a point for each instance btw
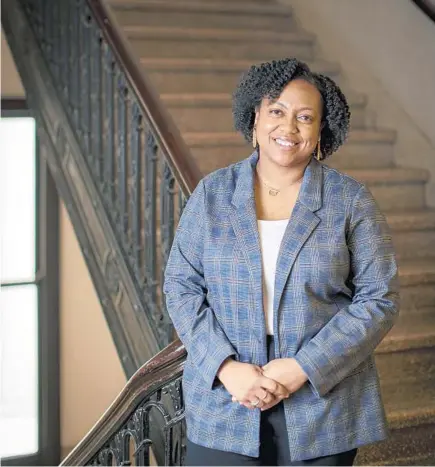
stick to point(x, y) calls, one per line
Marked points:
point(288, 127)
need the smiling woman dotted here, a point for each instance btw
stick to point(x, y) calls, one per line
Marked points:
point(281, 282)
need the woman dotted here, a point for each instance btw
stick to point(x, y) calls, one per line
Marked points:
point(281, 282)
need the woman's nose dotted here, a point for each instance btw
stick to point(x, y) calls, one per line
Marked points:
point(290, 125)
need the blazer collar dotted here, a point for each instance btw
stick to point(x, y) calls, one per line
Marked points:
point(310, 194)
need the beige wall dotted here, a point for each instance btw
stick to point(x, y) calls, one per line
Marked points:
point(10, 81)
point(385, 48)
point(90, 371)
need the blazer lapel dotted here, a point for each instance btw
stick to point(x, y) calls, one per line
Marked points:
point(302, 223)
point(244, 221)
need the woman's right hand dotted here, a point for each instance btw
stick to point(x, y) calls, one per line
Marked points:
point(247, 384)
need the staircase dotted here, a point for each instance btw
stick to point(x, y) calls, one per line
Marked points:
point(194, 51)
point(124, 172)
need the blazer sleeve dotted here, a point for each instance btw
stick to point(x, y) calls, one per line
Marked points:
point(352, 335)
point(185, 290)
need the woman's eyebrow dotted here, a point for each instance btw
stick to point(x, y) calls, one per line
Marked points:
point(284, 106)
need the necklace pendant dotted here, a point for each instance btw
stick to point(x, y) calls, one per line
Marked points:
point(273, 192)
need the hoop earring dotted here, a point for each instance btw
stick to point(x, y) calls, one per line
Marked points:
point(254, 138)
point(319, 151)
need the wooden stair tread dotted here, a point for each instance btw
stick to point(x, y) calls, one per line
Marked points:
point(410, 404)
point(411, 220)
point(384, 176)
point(417, 272)
point(218, 34)
point(215, 65)
point(235, 7)
point(413, 330)
point(356, 136)
point(224, 99)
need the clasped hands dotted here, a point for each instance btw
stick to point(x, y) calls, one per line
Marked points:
point(261, 387)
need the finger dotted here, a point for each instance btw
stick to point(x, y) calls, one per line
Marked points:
point(272, 403)
point(268, 384)
point(267, 399)
point(273, 386)
point(282, 391)
point(261, 394)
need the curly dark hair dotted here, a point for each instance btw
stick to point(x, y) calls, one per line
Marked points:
point(269, 79)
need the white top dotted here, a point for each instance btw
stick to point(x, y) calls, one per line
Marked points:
point(271, 235)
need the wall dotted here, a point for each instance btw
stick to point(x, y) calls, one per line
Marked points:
point(90, 371)
point(386, 51)
point(10, 81)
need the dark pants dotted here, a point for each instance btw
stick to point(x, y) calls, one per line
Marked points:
point(274, 448)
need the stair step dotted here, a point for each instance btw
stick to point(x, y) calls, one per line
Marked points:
point(407, 374)
point(414, 244)
point(215, 43)
point(210, 6)
point(223, 65)
point(409, 366)
point(217, 149)
point(407, 402)
point(212, 112)
point(394, 188)
point(197, 13)
point(217, 34)
point(411, 415)
point(417, 279)
point(412, 331)
point(389, 176)
point(191, 75)
point(405, 355)
point(221, 43)
point(224, 99)
point(406, 221)
point(418, 272)
point(411, 229)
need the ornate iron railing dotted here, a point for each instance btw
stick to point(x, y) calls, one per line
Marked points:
point(131, 159)
point(124, 174)
point(123, 435)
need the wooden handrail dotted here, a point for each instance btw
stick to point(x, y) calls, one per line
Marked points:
point(427, 6)
point(184, 167)
point(165, 367)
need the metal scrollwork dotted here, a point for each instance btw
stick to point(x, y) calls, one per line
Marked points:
point(111, 274)
point(137, 428)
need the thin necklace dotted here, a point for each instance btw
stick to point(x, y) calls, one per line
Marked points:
point(276, 191)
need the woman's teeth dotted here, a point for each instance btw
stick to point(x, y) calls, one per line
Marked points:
point(285, 143)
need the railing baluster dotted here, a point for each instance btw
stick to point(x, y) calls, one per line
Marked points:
point(95, 106)
point(167, 236)
point(136, 202)
point(84, 81)
point(66, 41)
point(55, 41)
point(108, 127)
point(150, 220)
point(100, 104)
point(121, 158)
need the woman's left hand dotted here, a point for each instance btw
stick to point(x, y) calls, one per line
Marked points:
point(286, 371)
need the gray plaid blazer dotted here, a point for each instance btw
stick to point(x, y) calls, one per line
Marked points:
point(336, 296)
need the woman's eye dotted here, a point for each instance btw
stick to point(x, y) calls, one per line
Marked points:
point(306, 118)
point(275, 112)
